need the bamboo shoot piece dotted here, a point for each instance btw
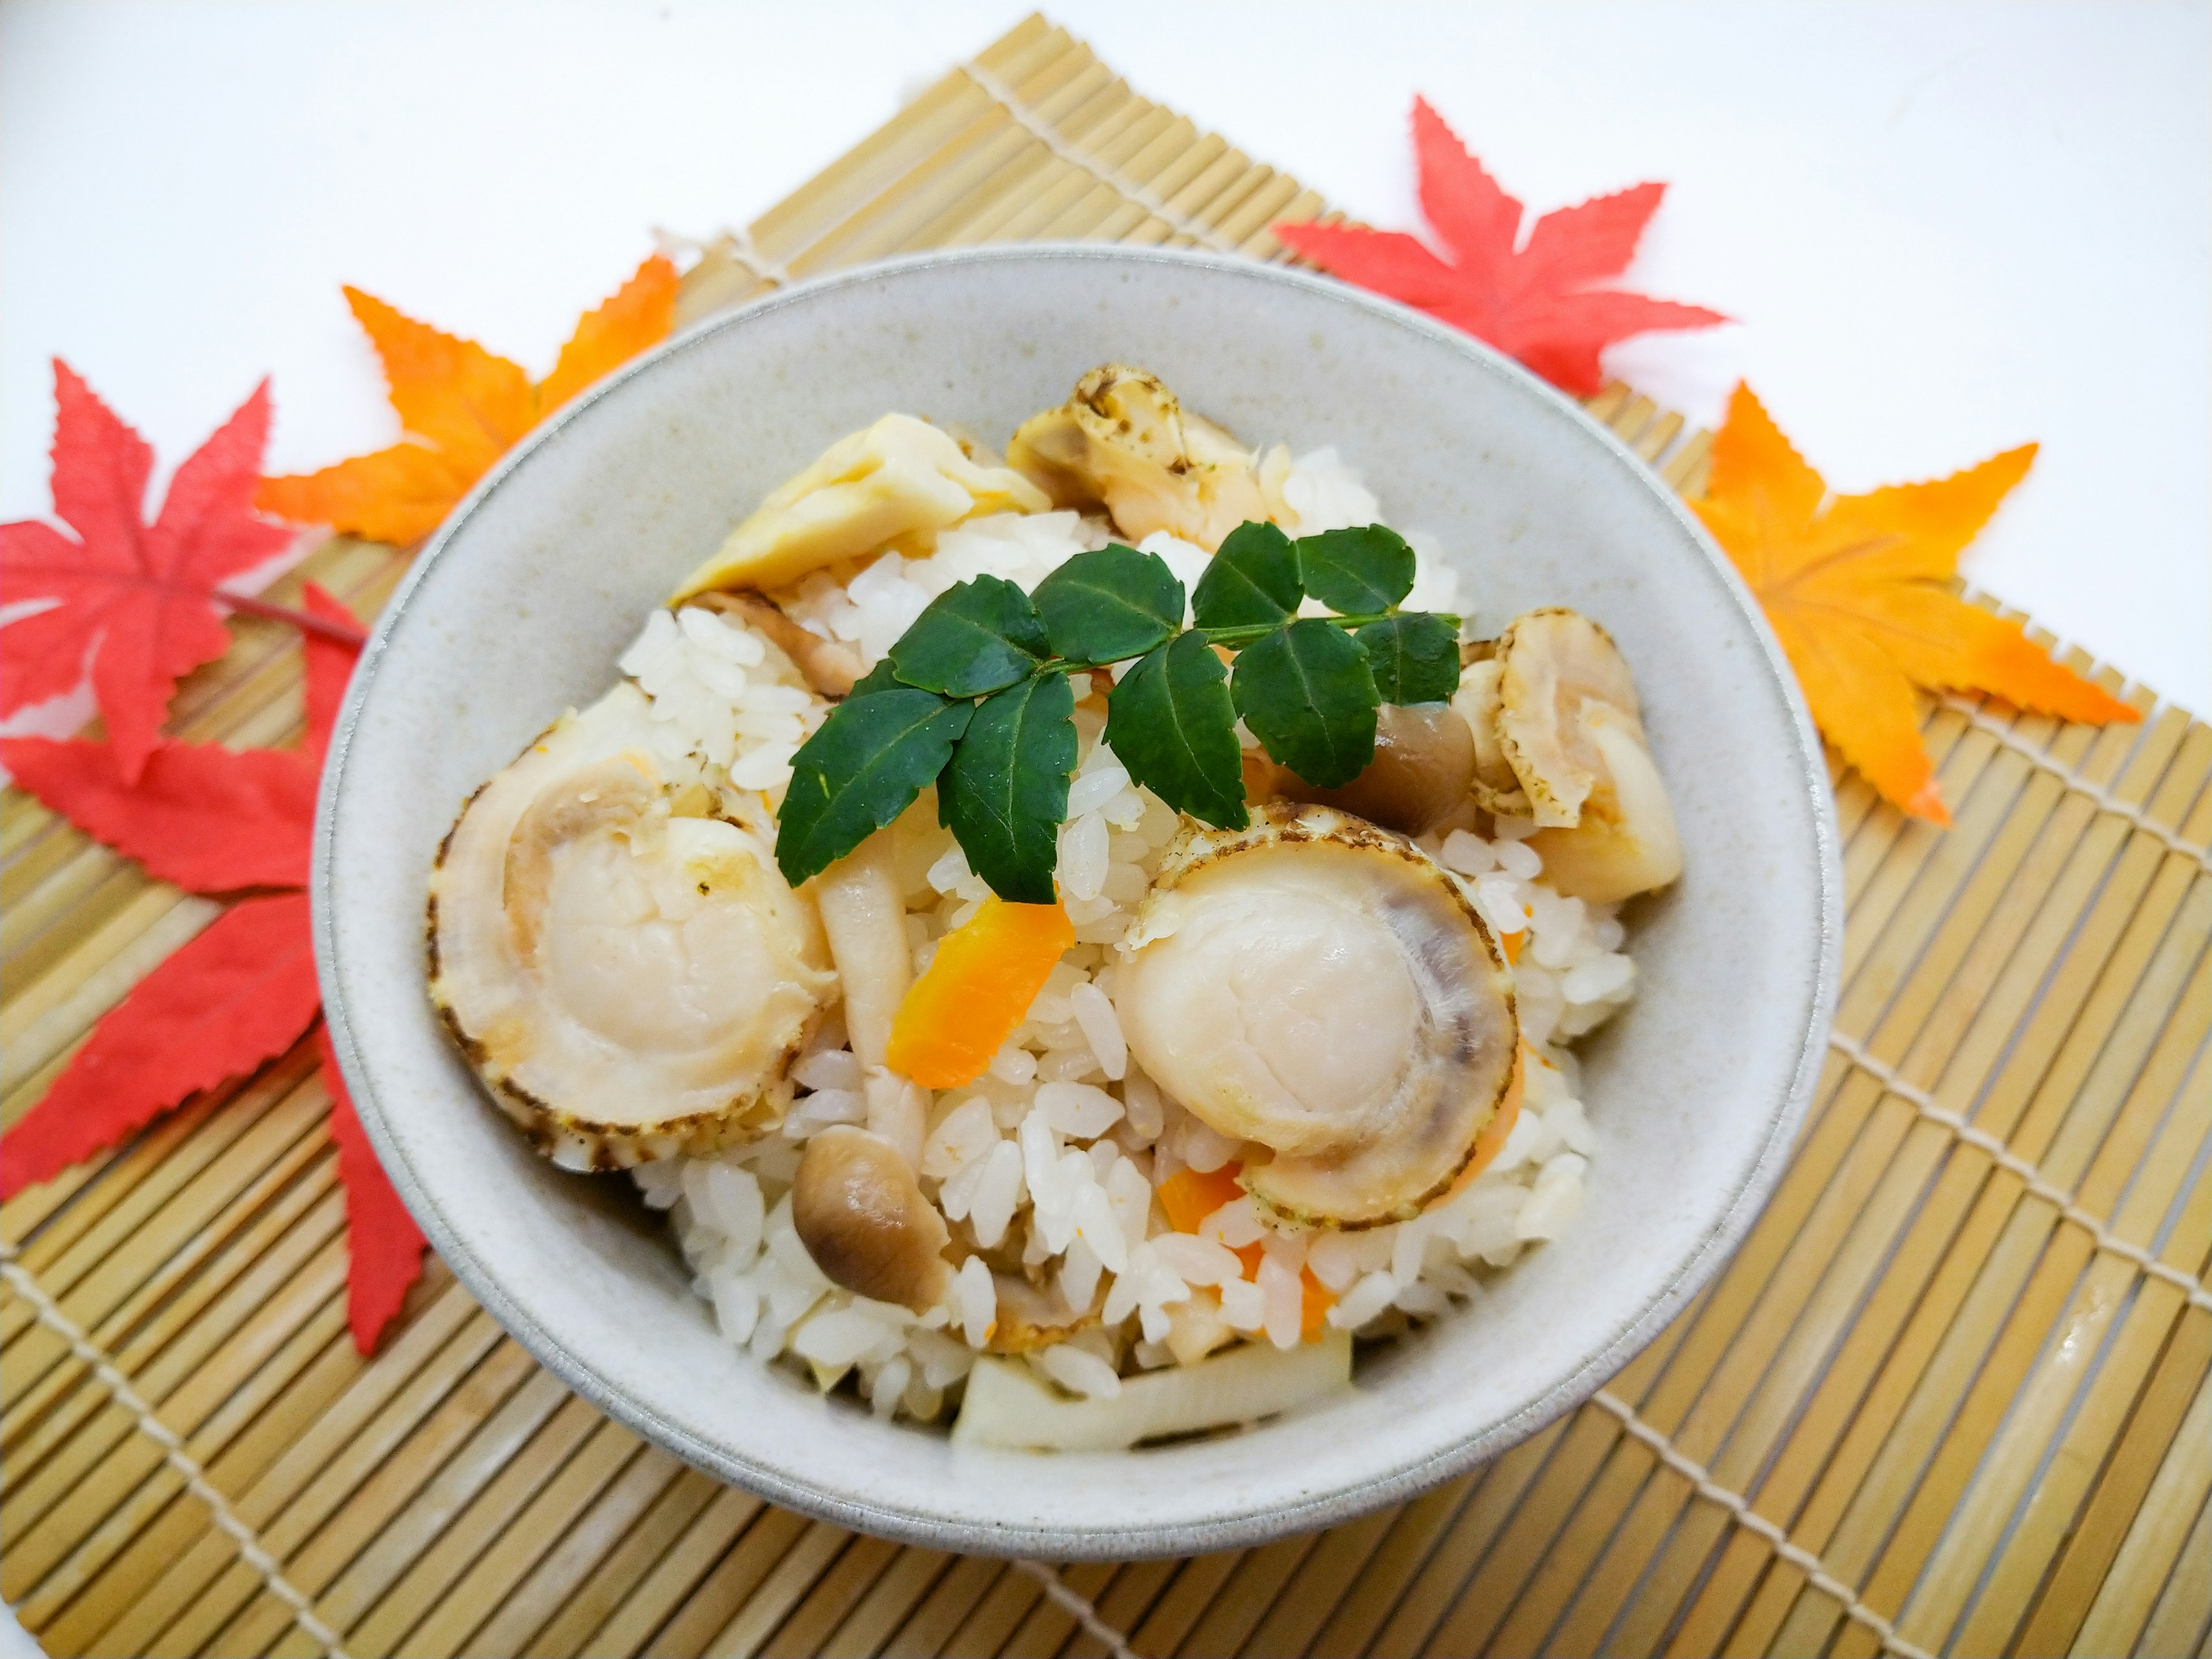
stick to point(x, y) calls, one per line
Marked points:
point(1008, 1404)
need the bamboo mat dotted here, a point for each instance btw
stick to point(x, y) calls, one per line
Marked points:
point(1951, 1395)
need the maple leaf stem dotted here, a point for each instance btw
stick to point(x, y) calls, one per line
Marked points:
point(306, 621)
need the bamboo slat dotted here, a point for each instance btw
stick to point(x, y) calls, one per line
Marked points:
point(1945, 1377)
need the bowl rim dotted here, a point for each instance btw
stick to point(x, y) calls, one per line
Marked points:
point(1582, 1380)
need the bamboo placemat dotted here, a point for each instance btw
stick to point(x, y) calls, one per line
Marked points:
point(1952, 1394)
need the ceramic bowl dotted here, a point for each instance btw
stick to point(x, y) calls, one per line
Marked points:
point(521, 605)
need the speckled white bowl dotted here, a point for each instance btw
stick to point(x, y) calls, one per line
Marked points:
point(533, 587)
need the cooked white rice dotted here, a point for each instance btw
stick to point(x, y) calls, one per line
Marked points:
point(1061, 1143)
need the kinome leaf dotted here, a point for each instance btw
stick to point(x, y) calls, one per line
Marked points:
point(1005, 792)
point(1308, 694)
point(1414, 658)
point(1110, 604)
point(979, 636)
point(871, 758)
point(1170, 722)
point(1353, 572)
point(1253, 582)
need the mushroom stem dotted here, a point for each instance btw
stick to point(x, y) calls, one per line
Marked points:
point(828, 667)
point(863, 914)
point(898, 1110)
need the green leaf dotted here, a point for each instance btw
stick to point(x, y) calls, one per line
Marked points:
point(872, 758)
point(1354, 572)
point(1253, 580)
point(982, 636)
point(1414, 657)
point(882, 677)
point(1309, 696)
point(1170, 722)
point(1112, 603)
point(1006, 791)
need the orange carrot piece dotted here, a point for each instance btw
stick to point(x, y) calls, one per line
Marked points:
point(1188, 1197)
point(1491, 1141)
point(1511, 943)
point(978, 988)
point(1313, 1319)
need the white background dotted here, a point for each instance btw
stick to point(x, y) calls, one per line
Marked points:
point(1945, 230)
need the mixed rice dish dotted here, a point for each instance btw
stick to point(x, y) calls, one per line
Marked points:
point(1140, 1163)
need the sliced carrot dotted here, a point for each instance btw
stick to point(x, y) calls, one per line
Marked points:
point(978, 988)
point(1314, 1309)
point(1188, 1197)
point(1511, 943)
point(1495, 1134)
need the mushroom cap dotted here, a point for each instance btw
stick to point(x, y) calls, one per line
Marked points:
point(1424, 765)
point(858, 1210)
point(1321, 990)
point(630, 983)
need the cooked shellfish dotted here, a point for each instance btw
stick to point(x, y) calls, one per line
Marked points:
point(1559, 733)
point(631, 982)
point(1124, 441)
point(893, 485)
point(1319, 987)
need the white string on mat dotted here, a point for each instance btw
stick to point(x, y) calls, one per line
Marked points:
point(2103, 798)
point(2105, 1239)
point(739, 244)
point(1005, 97)
point(1081, 1608)
point(1816, 1570)
point(173, 1451)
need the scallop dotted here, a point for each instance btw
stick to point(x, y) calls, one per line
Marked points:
point(630, 982)
point(1559, 738)
point(1321, 990)
point(1124, 441)
point(896, 484)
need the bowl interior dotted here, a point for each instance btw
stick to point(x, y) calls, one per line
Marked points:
point(522, 606)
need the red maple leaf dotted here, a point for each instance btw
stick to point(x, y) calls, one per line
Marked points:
point(385, 1245)
point(136, 602)
point(209, 819)
point(1536, 302)
point(330, 666)
point(239, 994)
point(212, 819)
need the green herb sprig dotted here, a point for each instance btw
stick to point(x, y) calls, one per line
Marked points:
point(974, 696)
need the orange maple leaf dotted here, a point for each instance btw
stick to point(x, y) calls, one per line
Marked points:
point(461, 408)
point(1856, 588)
